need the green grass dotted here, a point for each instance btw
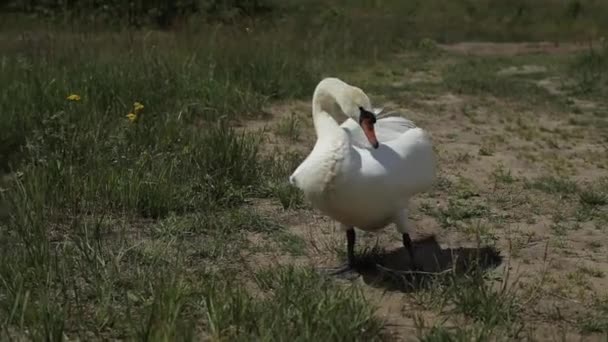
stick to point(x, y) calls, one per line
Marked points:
point(442, 334)
point(595, 321)
point(488, 310)
point(595, 195)
point(503, 175)
point(459, 209)
point(589, 71)
point(146, 229)
point(480, 75)
point(289, 127)
point(162, 284)
point(553, 185)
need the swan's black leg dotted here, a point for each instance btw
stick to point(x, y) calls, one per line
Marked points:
point(350, 246)
point(347, 270)
point(407, 243)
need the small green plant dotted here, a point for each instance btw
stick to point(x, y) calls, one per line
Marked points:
point(289, 127)
point(589, 69)
point(595, 319)
point(593, 197)
point(553, 185)
point(456, 334)
point(476, 299)
point(593, 272)
point(289, 196)
point(463, 157)
point(502, 175)
point(486, 150)
point(459, 210)
point(291, 243)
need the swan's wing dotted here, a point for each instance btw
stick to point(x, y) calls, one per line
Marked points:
point(392, 127)
point(387, 129)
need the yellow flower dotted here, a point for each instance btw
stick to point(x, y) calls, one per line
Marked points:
point(132, 117)
point(73, 97)
point(137, 107)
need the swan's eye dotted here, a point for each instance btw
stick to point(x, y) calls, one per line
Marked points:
point(366, 116)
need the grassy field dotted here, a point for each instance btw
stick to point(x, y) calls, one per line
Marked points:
point(143, 175)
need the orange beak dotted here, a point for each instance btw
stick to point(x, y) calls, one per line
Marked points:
point(370, 133)
point(367, 121)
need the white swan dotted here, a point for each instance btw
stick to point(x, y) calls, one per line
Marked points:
point(363, 173)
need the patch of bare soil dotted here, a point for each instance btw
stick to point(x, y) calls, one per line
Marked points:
point(490, 152)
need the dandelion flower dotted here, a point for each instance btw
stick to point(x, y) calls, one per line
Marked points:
point(73, 97)
point(137, 107)
point(132, 117)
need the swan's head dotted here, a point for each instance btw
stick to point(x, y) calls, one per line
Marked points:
point(367, 120)
point(359, 108)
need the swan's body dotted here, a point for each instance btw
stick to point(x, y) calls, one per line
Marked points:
point(349, 180)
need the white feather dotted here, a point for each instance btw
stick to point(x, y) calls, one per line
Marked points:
point(387, 129)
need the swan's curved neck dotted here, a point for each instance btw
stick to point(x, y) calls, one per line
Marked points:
point(329, 94)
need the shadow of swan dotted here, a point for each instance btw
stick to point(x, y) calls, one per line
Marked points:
point(392, 270)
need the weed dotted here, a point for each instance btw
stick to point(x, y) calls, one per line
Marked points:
point(289, 127)
point(491, 309)
point(486, 150)
point(553, 185)
point(593, 272)
point(561, 226)
point(482, 233)
point(502, 175)
point(595, 320)
point(288, 195)
point(475, 299)
point(164, 318)
point(462, 334)
point(291, 243)
point(593, 197)
point(459, 210)
point(463, 157)
point(589, 70)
